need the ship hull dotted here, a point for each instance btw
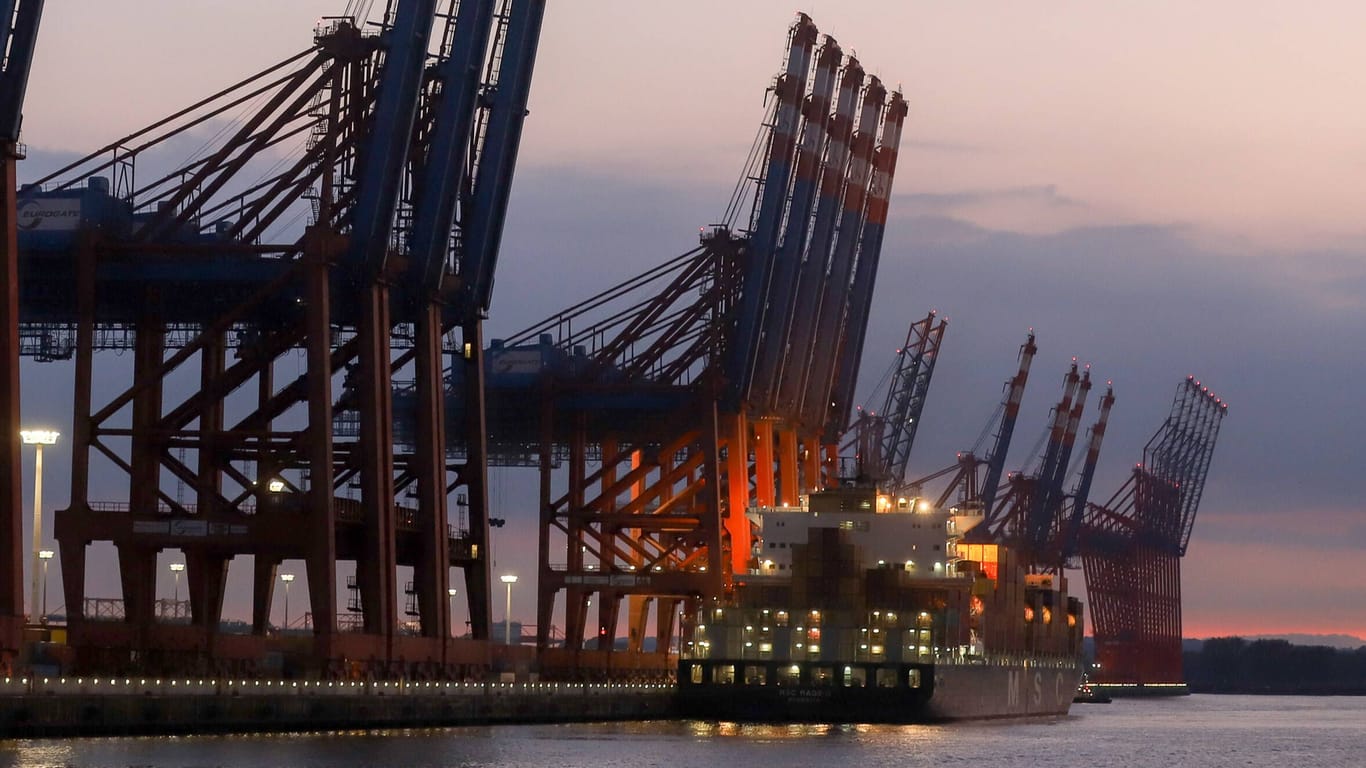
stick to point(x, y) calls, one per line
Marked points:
point(946, 692)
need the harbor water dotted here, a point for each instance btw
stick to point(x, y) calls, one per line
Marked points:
point(1192, 732)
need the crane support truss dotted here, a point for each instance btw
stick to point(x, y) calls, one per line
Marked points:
point(207, 276)
point(1131, 547)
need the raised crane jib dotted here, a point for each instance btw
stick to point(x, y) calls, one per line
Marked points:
point(763, 236)
point(1046, 510)
point(1081, 494)
point(1015, 388)
point(869, 254)
point(787, 260)
point(787, 268)
point(812, 283)
point(439, 181)
point(1179, 456)
point(907, 393)
point(482, 225)
point(834, 305)
point(384, 151)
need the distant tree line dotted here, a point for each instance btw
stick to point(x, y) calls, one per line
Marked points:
point(1235, 665)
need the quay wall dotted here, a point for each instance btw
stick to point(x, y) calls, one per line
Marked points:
point(47, 707)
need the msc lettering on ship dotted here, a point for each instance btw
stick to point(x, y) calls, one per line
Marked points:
point(1013, 688)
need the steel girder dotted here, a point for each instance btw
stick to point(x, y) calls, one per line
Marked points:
point(19, 20)
point(11, 483)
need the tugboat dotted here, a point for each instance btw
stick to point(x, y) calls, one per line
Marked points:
point(1088, 695)
point(863, 608)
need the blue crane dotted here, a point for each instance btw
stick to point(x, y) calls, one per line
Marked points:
point(835, 292)
point(975, 489)
point(865, 272)
point(773, 342)
point(812, 280)
point(764, 229)
point(481, 227)
point(996, 460)
point(453, 104)
point(441, 175)
point(385, 150)
point(906, 395)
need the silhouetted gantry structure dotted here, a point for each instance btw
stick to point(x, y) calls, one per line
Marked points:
point(348, 211)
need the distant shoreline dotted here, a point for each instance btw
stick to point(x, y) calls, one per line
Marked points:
point(1274, 667)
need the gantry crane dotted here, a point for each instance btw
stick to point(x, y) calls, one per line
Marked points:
point(1031, 515)
point(1131, 546)
point(973, 479)
point(658, 419)
point(407, 139)
point(882, 440)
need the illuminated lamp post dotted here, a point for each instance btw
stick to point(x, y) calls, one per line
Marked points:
point(287, 578)
point(37, 438)
point(509, 580)
point(45, 555)
point(452, 593)
point(176, 570)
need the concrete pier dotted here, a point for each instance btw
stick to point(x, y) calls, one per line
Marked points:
point(45, 707)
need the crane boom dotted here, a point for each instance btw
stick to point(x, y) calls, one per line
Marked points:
point(787, 260)
point(812, 281)
point(1082, 493)
point(482, 229)
point(443, 173)
point(1045, 501)
point(385, 150)
point(18, 36)
point(763, 235)
point(869, 252)
point(996, 460)
point(835, 299)
point(906, 395)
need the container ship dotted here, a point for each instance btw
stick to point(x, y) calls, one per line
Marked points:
point(864, 608)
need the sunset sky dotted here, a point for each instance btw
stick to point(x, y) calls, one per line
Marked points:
point(1159, 189)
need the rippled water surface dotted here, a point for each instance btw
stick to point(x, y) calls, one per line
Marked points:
point(1285, 732)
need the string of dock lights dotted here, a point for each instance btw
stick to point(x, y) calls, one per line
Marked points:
point(129, 686)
